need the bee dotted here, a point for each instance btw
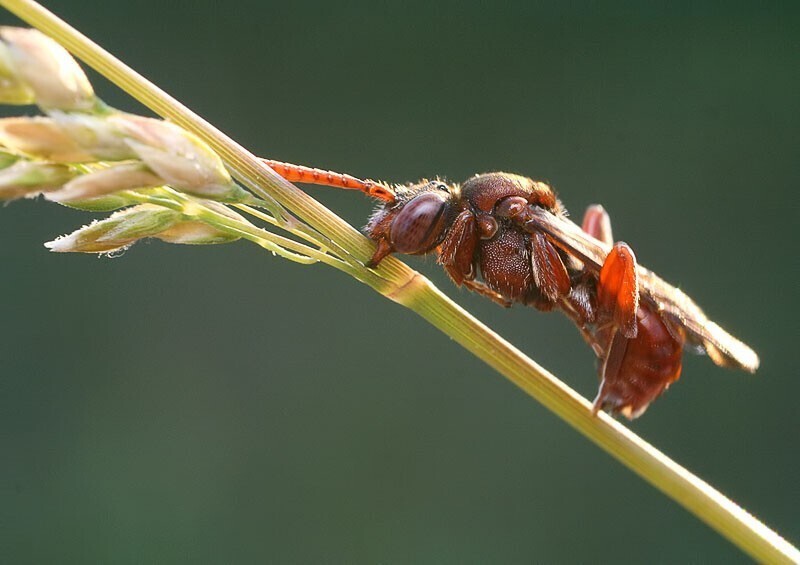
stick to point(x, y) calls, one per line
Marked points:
point(508, 238)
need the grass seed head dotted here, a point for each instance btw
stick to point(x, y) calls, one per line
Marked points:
point(64, 138)
point(27, 179)
point(195, 233)
point(182, 159)
point(12, 89)
point(117, 232)
point(104, 182)
point(35, 62)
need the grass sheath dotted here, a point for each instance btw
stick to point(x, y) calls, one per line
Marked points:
point(401, 284)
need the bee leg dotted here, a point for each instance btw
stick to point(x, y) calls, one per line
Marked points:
point(457, 251)
point(549, 273)
point(597, 223)
point(484, 290)
point(580, 306)
point(378, 230)
point(608, 396)
point(618, 289)
point(618, 285)
point(457, 256)
point(618, 282)
point(382, 250)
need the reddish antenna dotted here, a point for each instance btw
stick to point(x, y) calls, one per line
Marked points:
point(310, 175)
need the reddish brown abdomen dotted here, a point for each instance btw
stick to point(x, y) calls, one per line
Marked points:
point(650, 363)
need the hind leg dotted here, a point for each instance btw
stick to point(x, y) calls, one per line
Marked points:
point(618, 284)
point(597, 223)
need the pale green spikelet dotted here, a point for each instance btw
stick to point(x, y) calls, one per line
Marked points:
point(12, 89)
point(179, 157)
point(196, 233)
point(36, 63)
point(105, 182)
point(117, 232)
point(25, 178)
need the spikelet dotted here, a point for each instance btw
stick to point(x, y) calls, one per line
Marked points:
point(118, 231)
point(25, 178)
point(64, 139)
point(182, 159)
point(106, 182)
point(34, 68)
point(78, 128)
point(159, 180)
point(191, 231)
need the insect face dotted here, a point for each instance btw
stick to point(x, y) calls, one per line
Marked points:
point(417, 221)
point(419, 225)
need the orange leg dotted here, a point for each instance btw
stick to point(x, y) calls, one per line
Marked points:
point(618, 286)
point(618, 289)
point(597, 223)
point(301, 173)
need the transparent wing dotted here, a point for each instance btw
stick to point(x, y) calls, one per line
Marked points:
point(724, 349)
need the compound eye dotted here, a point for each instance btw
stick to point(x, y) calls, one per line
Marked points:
point(417, 227)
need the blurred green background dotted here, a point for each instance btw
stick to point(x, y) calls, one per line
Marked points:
point(219, 405)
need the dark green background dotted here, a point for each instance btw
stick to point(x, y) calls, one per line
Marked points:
point(219, 405)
